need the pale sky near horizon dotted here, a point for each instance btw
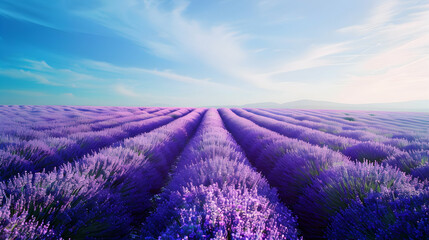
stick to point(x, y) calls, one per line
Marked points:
point(201, 53)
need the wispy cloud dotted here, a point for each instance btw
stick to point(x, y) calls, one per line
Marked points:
point(97, 77)
point(397, 67)
point(381, 14)
point(19, 13)
point(23, 74)
point(138, 72)
point(87, 74)
point(43, 73)
point(124, 90)
point(315, 57)
point(171, 35)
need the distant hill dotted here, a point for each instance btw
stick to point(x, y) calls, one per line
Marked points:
point(411, 106)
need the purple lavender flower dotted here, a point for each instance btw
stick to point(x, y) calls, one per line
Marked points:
point(229, 213)
point(383, 216)
point(333, 190)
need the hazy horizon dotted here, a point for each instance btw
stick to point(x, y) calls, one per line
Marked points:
point(211, 53)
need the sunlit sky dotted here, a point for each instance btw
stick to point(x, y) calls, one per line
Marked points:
point(205, 52)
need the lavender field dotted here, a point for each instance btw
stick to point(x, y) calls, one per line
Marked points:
point(74, 172)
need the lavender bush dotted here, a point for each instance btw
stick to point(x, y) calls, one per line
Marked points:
point(383, 216)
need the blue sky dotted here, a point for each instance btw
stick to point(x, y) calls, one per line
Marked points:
point(202, 53)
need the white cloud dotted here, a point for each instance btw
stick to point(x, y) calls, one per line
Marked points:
point(399, 55)
point(397, 68)
point(177, 77)
point(315, 57)
point(382, 13)
point(25, 74)
point(407, 82)
point(140, 72)
point(43, 73)
point(23, 17)
point(169, 34)
point(125, 90)
point(217, 46)
point(89, 74)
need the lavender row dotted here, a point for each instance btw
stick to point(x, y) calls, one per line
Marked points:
point(101, 196)
point(316, 183)
point(356, 150)
point(214, 193)
point(41, 116)
point(35, 130)
point(383, 217)
point(44, 129)
point(393, 125)
point(416, 164)
point(109, 123)
point(389, 120)
point(48, 144)
point(73, 131)
point(101, 119)
point(404, 120)
point(295, 131)
point(35, 155)
point(30, 151)
point(335, 129)
point(398, 139)
point(39, 130)
point(76, 145)
point(352, 123)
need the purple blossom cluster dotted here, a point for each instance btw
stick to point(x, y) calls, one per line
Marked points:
point(18, 227)
point(383, 216)
point(213, 212)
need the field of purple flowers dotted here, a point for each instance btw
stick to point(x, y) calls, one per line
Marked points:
point(72, 172)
